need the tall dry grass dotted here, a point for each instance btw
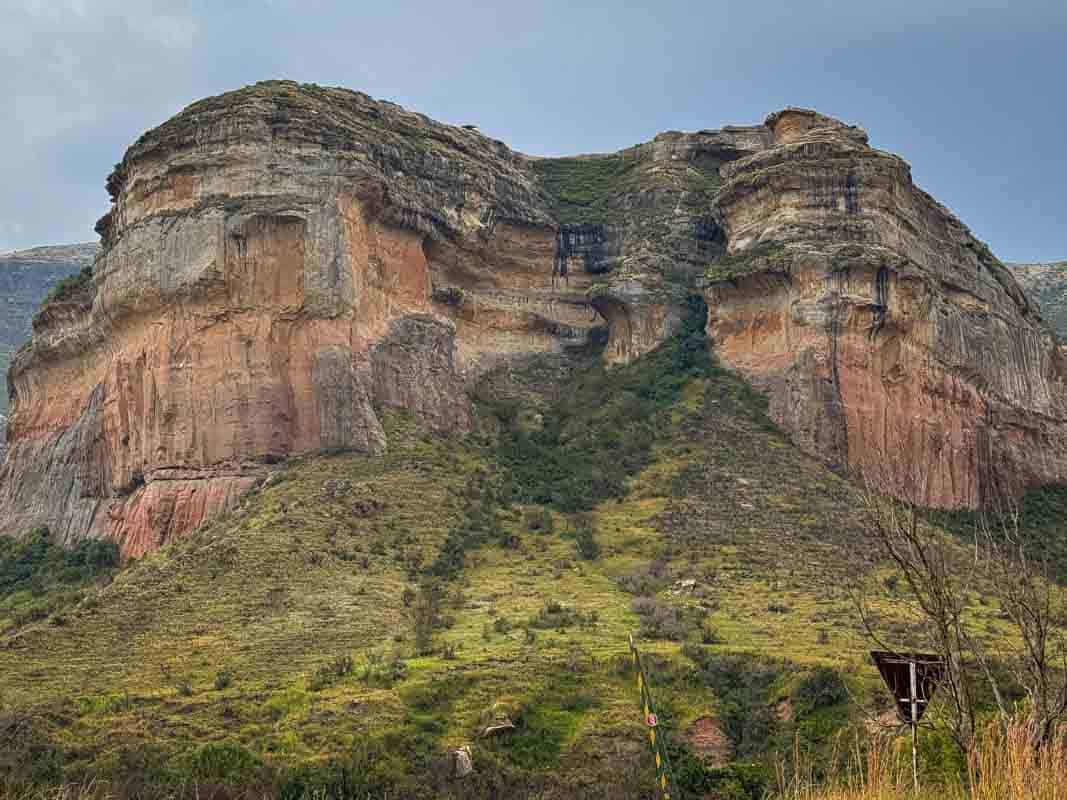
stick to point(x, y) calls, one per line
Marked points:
point(1004, 764)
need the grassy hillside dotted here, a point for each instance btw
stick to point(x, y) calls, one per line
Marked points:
point(357, 618)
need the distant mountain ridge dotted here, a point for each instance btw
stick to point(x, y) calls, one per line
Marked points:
point(26, 277)
point(81, 254)
point(1047, 286)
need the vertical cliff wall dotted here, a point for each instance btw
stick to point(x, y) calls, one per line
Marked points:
point(887, 337)
point(279, 263)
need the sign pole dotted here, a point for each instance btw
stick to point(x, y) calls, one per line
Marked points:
point(914, 670)
point(912, 679)
point(664, 776)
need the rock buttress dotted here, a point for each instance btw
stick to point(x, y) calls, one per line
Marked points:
point(278, 262)
point(887, 338)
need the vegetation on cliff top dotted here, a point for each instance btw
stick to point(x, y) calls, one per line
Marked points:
point(581, 190)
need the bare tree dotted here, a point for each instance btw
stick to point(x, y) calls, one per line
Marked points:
point(1023, 585)
point(936, 585)
point(942, 574)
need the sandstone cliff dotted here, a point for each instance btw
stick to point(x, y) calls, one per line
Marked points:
point(886, 336)
point(282, 262)
point(278, 262)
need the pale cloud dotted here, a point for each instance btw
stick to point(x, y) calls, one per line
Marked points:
point(949, 84)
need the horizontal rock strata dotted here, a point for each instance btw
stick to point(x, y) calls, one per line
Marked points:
point(283, 262)
point(887, 338)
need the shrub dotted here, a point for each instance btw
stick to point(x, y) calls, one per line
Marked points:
point(330, 673)
point(37, 563)
point(539, 521)
point(381, 671)
point(223, 761)
point(585, 543)
point(69, 286)
point(645, 580)
point(425, 615)
point(223, 680)
point(660, 620)
point(744, 687)
point(449, 295)
point(820, 689)
point(555, 615)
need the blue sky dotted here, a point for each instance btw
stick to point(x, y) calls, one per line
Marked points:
point(972, 93)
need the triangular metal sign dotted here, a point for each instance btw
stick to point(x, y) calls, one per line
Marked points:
point(896, 670)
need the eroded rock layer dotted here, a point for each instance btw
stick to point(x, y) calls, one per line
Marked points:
point(278, 264)
point(283, 262)
point(887, 337)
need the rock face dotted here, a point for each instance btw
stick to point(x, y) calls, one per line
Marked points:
point(282, 262)
point(887, 338)
point(278, 263)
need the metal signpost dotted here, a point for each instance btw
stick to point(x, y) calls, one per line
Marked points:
point(913, 679)
point(659, 745)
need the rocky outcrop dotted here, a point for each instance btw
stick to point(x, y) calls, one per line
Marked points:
point(278, 263)
point(282, 263)
point(887, 338)
point(642, 222)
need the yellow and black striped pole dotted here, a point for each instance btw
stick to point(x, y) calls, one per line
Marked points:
point(659, 744)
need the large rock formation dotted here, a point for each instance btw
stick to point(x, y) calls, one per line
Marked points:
point(887, 337)
point(283, 261)
point(277, 263)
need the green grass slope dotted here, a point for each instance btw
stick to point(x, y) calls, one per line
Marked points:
point(358, 618)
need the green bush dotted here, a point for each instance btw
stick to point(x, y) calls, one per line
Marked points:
point(821, 689)
point(37, 564)
point(539, 521)
point(69, 286)
point(556, 616)
point(661, 620)
point(732, 782)
point(224, 761)
point(426, 615)
point(743, 685)
point(585, 543)
point(330, 673)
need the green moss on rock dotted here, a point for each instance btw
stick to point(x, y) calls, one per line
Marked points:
point(757, 258)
